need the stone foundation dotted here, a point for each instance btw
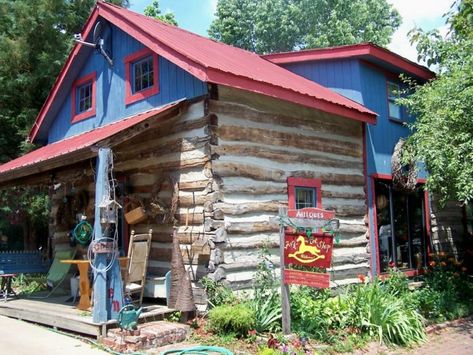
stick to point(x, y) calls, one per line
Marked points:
point(147, 336)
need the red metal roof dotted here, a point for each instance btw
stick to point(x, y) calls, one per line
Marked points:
point(81, 141)
point(215, 62)
point(369, 50)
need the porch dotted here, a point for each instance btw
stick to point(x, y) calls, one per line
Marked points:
point(59, 314)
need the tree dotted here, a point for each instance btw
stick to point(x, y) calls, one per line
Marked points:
point(442, 136)
point(35, 38)
point(266, 26)
point(153, 10)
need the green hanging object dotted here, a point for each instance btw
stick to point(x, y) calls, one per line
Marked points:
point(308, 231)
point(337, 239)
point(83, 232)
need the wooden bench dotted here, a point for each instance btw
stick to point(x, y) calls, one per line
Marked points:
point(23, 262)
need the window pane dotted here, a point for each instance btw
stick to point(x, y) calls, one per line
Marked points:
point(393, 91)
point(305, 197)
point(383, 215)
point(394, 110)
point(84, 98)
point(143, 74)
point(401, 233)
point(401, 227)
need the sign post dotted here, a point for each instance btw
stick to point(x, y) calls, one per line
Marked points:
point(306, 241)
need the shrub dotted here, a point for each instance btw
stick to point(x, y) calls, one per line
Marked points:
point(312, 313)
point(235, 319)
point(217, 293)
point(384, 315)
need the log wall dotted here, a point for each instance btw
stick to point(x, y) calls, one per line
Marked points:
point(257, 143)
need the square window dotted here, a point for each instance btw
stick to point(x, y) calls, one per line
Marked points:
point(305, 197)
point(141, 76)
point(304, 193)
point(83, 98)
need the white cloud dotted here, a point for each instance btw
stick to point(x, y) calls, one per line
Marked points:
point(426, 14)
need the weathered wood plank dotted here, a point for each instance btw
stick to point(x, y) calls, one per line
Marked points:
point(254, 135)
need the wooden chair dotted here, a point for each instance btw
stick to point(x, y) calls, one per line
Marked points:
point(138, 254)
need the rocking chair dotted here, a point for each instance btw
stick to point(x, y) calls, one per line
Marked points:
point(138, 253)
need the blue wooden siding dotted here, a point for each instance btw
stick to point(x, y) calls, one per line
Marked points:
point(342, 76)
point(174, 84)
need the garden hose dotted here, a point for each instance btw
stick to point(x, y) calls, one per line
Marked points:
point(199, 350)
point(83, 232)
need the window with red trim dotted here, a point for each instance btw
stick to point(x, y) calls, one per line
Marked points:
point(141, 76)
point(303, 193)
point(83, 97)
point(401, 227)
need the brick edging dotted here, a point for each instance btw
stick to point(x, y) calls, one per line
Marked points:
point(436, 327)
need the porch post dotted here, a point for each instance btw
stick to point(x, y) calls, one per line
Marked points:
point(99, 312)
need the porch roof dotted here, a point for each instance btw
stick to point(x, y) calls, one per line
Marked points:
point(83, 146)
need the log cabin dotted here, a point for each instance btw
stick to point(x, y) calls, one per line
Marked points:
point(208, 138)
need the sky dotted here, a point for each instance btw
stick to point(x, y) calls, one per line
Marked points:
point(196, 16)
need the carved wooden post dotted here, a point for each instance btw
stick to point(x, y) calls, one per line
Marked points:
point(99, 312)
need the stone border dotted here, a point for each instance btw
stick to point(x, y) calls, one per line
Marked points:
point(437, 327)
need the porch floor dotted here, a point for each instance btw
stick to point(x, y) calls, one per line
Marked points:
point(57, 313)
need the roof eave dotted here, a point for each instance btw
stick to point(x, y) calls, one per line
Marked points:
point(352, 51)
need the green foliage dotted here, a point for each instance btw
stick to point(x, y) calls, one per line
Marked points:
point(396, 283)
point(266, 302)
point(447, 291)
point(235, 319)
point(217, 293)
point(153, 10)
point(442, 136)
point(266, 26)
point(26, 284)
point(384, 315)
point(372, 309)
point(28, 204)
point(174, 316)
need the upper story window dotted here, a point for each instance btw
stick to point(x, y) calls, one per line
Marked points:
point(394, 110)
point(83, 98)
point(141, 76)
point(303, 193)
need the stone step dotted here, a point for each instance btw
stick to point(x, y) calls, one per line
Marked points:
point(147, 336)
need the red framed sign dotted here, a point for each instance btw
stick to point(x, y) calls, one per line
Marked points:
point(310, 252)
point(306, 278)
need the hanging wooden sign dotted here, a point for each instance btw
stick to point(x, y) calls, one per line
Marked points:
point(306, 278)
point(309, 252)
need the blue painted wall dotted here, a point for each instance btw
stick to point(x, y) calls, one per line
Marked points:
point(342, 76)
point(174, 84)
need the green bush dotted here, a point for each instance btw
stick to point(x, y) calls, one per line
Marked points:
point(26, 284)
point(266, 301)
point(235, 319)
point(217, 293)
point(384, 315)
